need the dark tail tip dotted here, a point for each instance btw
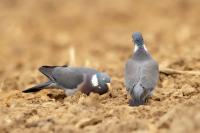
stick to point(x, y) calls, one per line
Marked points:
point(37, 87)
point(134, 102)
point(31, 90)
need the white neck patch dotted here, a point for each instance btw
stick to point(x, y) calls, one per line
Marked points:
point(136, 48)
point(145, 48)
point(94, 80)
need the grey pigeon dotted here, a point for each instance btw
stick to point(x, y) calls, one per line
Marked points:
point(72, 79)
point(141, 72)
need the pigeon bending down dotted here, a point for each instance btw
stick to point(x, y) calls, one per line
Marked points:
point(72, 79)
point(141, 72)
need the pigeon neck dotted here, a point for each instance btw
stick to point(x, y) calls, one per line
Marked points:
point(87, 86)
point(140, 47)
point(141, 54)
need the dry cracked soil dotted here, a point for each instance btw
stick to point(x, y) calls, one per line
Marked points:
point(97, 33)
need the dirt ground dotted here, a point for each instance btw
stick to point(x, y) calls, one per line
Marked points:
point(98, 32)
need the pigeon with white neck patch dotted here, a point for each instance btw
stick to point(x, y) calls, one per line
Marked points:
point(72, 79)
point(141, 72)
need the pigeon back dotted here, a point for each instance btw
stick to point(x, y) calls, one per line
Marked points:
point(67, 77)
point(132, 74)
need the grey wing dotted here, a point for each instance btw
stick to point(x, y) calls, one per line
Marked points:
point(132, 74)
point(88, 71)
point(150, 74)
point(67, 77)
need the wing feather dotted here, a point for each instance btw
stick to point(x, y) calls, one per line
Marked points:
point(150, 74)
point(132, 74)
point(67, 78)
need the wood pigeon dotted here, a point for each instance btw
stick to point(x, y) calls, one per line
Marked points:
point(141, 72)
point(72, 79)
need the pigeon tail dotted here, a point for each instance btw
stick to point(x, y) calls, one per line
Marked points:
point(139, 95)
point(138, 92)
point(136, 102)
point(38, 87)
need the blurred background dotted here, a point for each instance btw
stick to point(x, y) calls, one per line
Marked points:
point(97, 33)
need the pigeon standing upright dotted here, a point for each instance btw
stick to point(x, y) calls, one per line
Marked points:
point(72, 79)
point(141, 72)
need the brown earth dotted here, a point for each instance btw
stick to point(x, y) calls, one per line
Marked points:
point(46, 32)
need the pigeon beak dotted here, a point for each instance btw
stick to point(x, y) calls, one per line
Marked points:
point(108, 85)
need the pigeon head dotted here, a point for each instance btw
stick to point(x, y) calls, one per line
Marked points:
point(100, 82)
point(138, 39)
